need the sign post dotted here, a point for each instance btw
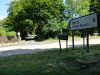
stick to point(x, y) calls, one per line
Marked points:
point(60, 45)
point(84, 22)
point(73, 39)
point(83, 35)
point(84, 42)
point(87, 40)
point(63, 37)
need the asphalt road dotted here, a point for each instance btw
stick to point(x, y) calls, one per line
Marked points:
point(29, 47)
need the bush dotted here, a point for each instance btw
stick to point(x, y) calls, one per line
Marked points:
point(2, 32)
point(11, 34)
point(3, 39)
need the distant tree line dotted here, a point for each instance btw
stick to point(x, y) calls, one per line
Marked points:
point(47, 18)
point(44, 18)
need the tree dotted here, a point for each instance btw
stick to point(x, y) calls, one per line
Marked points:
point(37, 13)
point(28, 26)
point(76, 8)
point(95, 7)
point(6, 23)
point(83, 7)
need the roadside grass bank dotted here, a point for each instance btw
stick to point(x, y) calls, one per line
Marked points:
point(11, 44)
point(67, 62)
point(70, 38)
point(50, 40)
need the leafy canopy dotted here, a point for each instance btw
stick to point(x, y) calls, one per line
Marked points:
point(35, 14)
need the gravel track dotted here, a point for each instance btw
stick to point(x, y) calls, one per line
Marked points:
point(32, 48)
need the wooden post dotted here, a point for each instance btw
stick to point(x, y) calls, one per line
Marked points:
point(66, 43)
point(84, 42)
point(73, 40)
point(87, 40)
point(60, 45)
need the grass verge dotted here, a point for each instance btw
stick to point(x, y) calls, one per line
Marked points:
point(67, 62)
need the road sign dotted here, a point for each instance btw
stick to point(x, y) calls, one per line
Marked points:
point(63, 37)
point(84, 22)
point(88, 21)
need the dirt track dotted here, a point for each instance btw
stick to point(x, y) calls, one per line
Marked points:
point(27, 49)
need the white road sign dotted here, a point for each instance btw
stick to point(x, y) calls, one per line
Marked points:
point(83, 22)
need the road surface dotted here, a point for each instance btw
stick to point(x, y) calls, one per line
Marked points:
point(29, 47)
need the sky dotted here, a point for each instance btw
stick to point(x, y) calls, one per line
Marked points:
point(3, 8)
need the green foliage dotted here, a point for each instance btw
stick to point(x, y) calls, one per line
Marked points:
point(7, 24)
point(5, 29)
point(11, 34)
point(54, 27)
point(83, 7)
point(39, 12)
point(67, 62)
point(2, 32)
point(77, 8)
point(95, 6)
point(28, 26)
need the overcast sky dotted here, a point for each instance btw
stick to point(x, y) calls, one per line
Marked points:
point(3, 8)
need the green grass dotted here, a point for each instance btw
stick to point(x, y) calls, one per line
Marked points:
point(67, 62)
point(70, 39)
point(94, 37)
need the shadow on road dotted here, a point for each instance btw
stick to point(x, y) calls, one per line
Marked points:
point(20, 51)
point(23, 51)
